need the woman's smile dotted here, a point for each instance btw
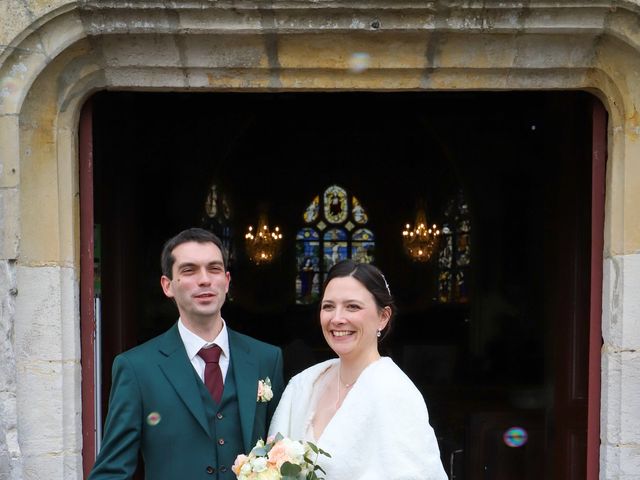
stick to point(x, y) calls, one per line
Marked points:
point(341, 333)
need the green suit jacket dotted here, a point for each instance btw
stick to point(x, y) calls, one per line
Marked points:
point(155, 407)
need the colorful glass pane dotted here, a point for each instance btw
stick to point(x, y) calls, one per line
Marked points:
point(211, 203)
point(216, 215)
point(311, 213)
point(334, 235)
point(321, 244)
point(359, 215)
point(363, 235)
point(226, 209)
point(333, 253)
point(335, 247)
point(335, 204)
point(307, 234)
point(464, 251)
point(363, 245)
point(460, 290)
point(444, 286)
point(455, 254)
point(362, 252)
point(307, 279)
point(445, 258)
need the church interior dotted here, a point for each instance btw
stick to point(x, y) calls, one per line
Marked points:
point(481, 325)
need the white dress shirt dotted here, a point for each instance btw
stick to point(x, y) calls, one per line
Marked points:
point(193, 343)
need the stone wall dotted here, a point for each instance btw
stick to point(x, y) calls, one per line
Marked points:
point(620, 418)
point(54, 54)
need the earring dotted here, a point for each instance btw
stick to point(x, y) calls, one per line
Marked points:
point(378, 333)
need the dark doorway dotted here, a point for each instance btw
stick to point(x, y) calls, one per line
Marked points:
point(493, 360)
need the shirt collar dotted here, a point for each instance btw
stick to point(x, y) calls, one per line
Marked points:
point(193, 343)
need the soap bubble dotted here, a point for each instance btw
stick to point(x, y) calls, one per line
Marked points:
point(515, 437)
point(359, 62)
point(153, 419)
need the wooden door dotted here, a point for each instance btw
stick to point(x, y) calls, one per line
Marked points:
point(576, 295)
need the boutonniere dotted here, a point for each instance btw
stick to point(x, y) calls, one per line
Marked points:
point(264, 390)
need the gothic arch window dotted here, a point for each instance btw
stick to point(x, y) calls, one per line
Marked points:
point(454, 260)
point(335, 228)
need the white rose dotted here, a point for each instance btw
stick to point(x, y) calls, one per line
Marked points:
point(295, 450)
point(269, 474)
point(267, 393)
point(259, 464)
point(245, 469)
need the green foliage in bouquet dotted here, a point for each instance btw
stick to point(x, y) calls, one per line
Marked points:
point(280, 458)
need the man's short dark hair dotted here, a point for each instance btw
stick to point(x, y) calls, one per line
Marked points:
point(198, 235)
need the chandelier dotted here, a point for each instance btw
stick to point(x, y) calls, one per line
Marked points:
point(421, 241)
point(263, 244)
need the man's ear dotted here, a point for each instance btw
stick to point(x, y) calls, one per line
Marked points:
point(165, 283)
point(228, 275)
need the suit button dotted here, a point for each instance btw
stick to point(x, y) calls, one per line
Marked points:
point(223, 469)
point(219, 416)
point(221, 441)
point(211, 470)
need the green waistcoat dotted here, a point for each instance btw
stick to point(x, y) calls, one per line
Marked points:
point(224, 421)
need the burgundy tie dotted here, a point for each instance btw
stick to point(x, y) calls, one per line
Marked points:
point(212, 372)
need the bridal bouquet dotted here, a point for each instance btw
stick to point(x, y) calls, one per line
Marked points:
point(280, 458)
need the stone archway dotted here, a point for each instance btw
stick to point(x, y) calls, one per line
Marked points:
point(52, 59)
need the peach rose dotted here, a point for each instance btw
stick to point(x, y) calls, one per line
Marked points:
point(237, 465)
point(278, 454)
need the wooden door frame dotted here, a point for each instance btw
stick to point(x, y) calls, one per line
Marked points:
point(598, 184)
point(88, 321)
point(87, 313)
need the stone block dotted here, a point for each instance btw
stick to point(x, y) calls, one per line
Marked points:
point(222, 51)
point(16, 74)
point(10, 452)
point(9, 219)
point(37, 467)
point(9, 151)
point(610, 400)
point(38, 325)
point(631, 303)
point(56, 36)
point(609, 461)
point(621, 302)
point(49, 409)
point(70, 314)
point(630, 462)
point(630, 398)
point(612, 295)
point(154, 50)
point(40, 406)
point(620, 462)
point(15, 18)
point(620, 401)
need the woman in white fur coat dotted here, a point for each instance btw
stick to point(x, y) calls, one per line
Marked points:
point(360, 407)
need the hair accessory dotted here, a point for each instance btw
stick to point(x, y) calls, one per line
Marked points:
point(385, 283)
point(378, 333)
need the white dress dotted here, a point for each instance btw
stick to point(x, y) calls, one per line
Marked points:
point(380, 432)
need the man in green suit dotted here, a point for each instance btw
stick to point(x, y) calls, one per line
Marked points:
point(159, 404)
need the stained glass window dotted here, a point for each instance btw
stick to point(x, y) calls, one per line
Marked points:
point(454, 260)
point(334, 229)
point(217, 215)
